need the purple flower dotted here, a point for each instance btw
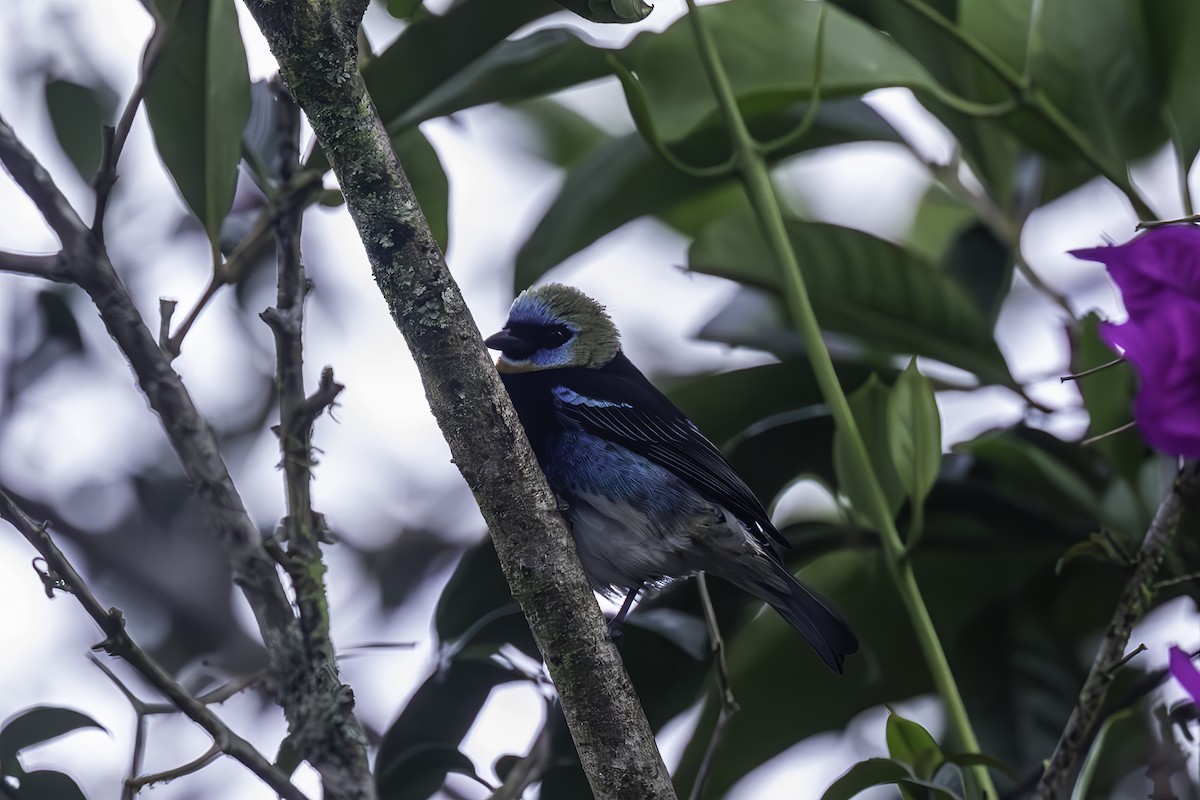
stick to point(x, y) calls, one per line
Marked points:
point(1185, 672)
point(1158, 274)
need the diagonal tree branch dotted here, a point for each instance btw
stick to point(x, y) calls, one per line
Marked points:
point(60, 575)
point(317, 49)
point(1134, 601)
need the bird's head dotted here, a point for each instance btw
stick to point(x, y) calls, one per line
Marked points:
point(555, 326)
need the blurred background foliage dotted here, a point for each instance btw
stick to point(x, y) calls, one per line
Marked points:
point(1025, 531)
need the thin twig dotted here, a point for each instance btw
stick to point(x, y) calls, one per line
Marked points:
point(1131, 606)
point(1102, 436)
point(195, 765)
point(1159, 223)
point(114, 138)
point(1077, 375)
point(118, 642)
point(297, 193)
point(729, 704)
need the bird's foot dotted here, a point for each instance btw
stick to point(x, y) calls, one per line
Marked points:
point(615, 630)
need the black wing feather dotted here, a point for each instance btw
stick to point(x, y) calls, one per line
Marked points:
point(643, 420)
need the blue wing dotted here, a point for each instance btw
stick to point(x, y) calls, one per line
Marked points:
point(620, 405)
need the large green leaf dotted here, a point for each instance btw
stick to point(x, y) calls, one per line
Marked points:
point(726, 404)
point(1173, 28)
point(914, 433)
point(859, 285)
point(863, 776)
point(198, 100)
point(610, 11)
point(435, 48)
point(44, 784)
point(766, 47)
point(623, 179)
point(476, 609)
point(869, 404)
point(1089, 58)
point(561, 136)
point(774, 453)
point(79, 113)
point(34, 726)
point(537, 64)
point(424, 170)
point(421, 746)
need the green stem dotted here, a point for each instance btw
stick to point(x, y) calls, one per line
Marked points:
point(756, 179)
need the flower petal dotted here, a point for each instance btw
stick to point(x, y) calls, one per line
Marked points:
point(1185, 672)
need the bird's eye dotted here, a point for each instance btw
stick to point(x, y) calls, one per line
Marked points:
point(544, 337)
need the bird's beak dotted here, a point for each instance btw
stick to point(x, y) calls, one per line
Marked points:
point(504, 340)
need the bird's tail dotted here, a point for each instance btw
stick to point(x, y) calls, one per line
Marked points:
point(807, 612)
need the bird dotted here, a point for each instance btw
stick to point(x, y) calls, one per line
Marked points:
point(649, 500)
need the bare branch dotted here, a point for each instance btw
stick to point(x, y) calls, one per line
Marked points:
point(117, 642)
point(1132, 605)
point(50, 267)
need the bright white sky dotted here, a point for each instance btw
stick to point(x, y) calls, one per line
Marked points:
point(63, 436)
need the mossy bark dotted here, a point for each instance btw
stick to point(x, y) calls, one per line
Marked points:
point(316, 46)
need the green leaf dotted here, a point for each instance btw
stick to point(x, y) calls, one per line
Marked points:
point(1023, 686)
point(476, 608)
point(1087, 772)
point(773, 453)
point(404, 9)
point(873, 290)
point(914, 435)
point(766, 48)
point(430, 51)
point(198, 100)
point(864, 775)
point(1041, 474)
point(623, 179)
point(727, 404)
point(980, 760)
point(925, 789)
point(36, 725)
point(909, 743)
point(869, 405)
point(982, 265)
point(421, 746)
point(1173, 27)
point(45, 784)
point(534, 65)
point(610, 11)
point(560, 135)
point(78, 114)
point(1089, 59)
point(424, 170)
